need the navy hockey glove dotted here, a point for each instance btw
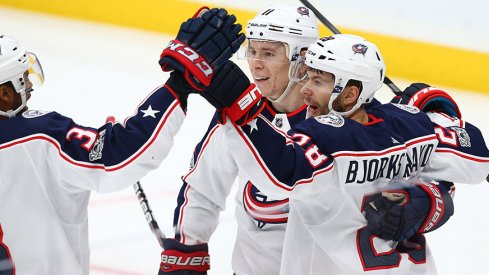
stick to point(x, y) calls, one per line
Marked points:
point(181, 259)
point(202, 45)
point(400, 214)
point(428, 98)
point(232, 95)
point(180, 87)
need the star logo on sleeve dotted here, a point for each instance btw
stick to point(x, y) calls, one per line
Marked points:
point(253, 125)
point(150, 112)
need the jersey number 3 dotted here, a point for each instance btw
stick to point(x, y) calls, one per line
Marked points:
point(6, 264)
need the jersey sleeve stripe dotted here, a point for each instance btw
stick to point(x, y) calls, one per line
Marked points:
point(462, 155)
point(122, 164)
point(206, 142)
point(181, 216)
point(260, 160)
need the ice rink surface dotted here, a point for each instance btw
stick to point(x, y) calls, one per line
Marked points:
point(93, 71)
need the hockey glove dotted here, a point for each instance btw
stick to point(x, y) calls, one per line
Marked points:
point(428, 98)
point(180, 87)
point(400, 214)
point(181, 259)
point(202, 45)
point(232, 95)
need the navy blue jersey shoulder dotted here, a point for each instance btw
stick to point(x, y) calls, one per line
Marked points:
point(109, 144)
point(268, 112)
point(388, 125)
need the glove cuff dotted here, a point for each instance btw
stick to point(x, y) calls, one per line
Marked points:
point(242, 106)
point(173, 260)
point(440, 211)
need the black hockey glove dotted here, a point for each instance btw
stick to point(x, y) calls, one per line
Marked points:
point(232, 95)
point(181, 259)
point(202, 45)
point(400, 214)
point(428, 98)
point(179, 85)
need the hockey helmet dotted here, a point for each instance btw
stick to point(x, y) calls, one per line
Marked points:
point(293, 25)
point(348, 57)
point(15, 62)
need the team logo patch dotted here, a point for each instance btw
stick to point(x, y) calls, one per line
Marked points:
point(463, 136)
point(96, 152)
point(262, 209)
point(359, 48)
point(303, 11)
point(332, 119)
point(407, 108)
point(34, 113)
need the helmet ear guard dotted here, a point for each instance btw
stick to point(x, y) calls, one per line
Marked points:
point(18, 67)
point(348, 57)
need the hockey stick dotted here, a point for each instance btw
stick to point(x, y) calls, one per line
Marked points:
point(143, 202)
point(153, 225)
point(333, 29)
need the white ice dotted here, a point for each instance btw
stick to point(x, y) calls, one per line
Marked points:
point(95, 70)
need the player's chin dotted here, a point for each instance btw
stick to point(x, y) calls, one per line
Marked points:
point(264, 88)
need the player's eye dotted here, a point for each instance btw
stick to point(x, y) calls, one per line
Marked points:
point(251, 52)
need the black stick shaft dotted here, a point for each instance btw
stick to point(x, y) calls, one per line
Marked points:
point(334, 30)
point(143, 201)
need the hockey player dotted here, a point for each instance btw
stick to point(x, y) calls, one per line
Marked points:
point(331, 164)
point(49, 164)
point(276, 37)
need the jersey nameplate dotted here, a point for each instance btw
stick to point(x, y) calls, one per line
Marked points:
point(34, 113)
point(332, 119)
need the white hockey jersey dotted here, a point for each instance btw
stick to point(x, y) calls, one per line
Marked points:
point(328, 166)
point(261, 220)
point(49, 165)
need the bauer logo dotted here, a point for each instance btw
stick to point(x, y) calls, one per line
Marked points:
point(303, 11)
point(258, 25)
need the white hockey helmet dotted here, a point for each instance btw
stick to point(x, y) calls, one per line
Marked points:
point(14, 62)
point(348, 57)
point(294, 25)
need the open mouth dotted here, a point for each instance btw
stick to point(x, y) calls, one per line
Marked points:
point(312, 110)
point(259, 79)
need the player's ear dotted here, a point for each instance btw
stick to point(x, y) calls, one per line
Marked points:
point(351, 94)
point(7, 95)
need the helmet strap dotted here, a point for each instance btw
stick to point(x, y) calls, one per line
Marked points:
point(347, 113)
point(286, 92)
